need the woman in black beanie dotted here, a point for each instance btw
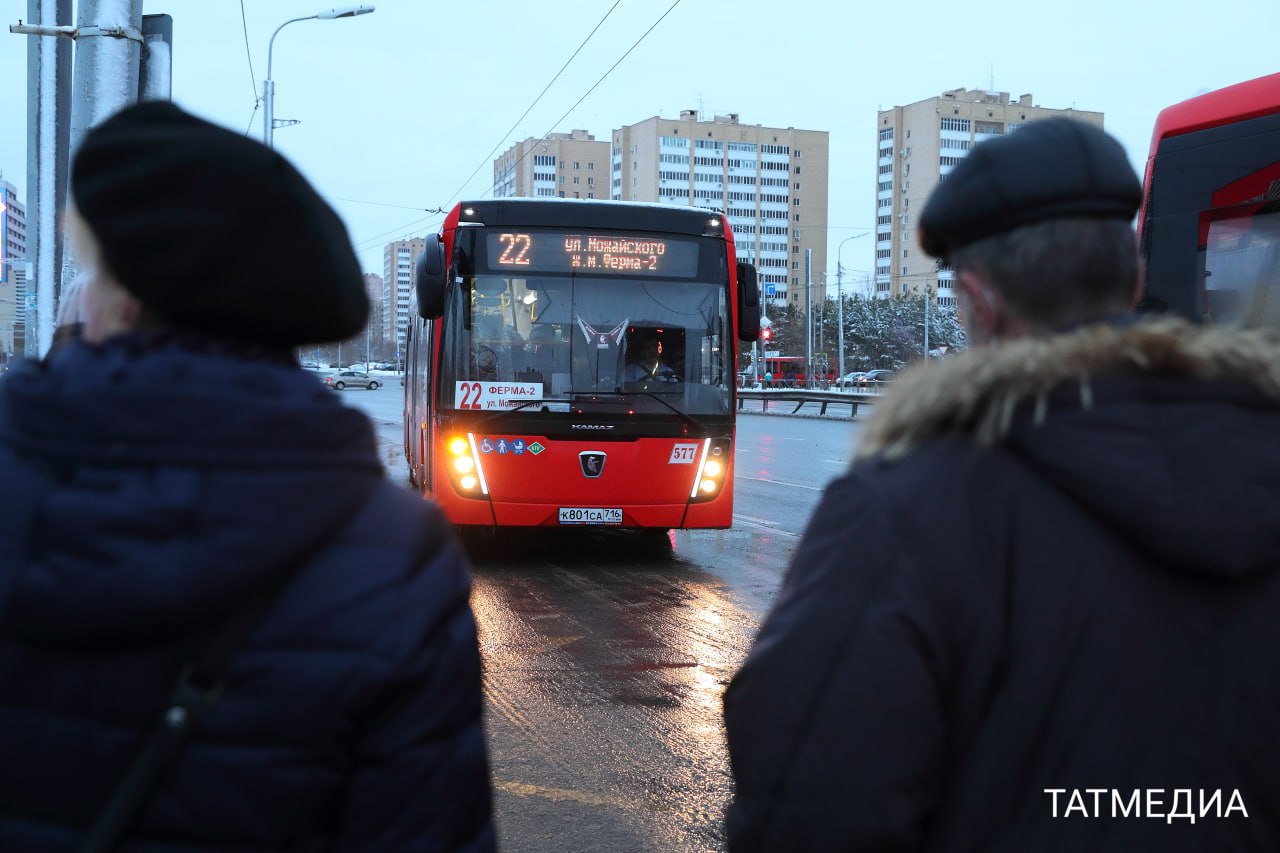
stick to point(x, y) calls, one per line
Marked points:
point(188, 513)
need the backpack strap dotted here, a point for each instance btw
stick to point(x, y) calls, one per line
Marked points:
point(197, 687)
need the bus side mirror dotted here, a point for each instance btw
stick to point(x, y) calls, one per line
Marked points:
point(748, 303)
point(430, 279)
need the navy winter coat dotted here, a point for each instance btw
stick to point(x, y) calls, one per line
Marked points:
point(1053, 570)
point(150, 489)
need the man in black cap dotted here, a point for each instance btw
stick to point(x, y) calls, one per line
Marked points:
point(193, 520)
point(1041, 610)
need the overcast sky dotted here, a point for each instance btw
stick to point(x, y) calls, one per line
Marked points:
point(399, 107)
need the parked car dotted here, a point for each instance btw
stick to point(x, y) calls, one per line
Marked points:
point(874, 378)
point(351, 379)
point(851, 379)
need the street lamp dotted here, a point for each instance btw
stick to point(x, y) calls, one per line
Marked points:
point(269, 87)
point(840, 296)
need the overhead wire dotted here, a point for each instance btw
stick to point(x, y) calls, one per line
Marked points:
point(489, 158)
point(386, 204)
point(643, 36)
point(253, 78)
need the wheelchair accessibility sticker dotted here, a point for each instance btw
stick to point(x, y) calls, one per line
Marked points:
point(503, 446)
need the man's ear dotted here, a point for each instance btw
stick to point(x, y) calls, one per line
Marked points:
point(981, 314)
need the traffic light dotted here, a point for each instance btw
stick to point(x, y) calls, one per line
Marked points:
point(766, 335)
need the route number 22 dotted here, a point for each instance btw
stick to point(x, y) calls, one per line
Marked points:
point(515, 249)
point(470, 392)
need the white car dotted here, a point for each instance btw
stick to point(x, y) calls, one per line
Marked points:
point(351, 379)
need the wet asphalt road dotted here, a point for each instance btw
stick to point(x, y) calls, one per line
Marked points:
point(607, 652)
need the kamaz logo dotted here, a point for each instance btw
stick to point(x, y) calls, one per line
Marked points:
point(591, 426)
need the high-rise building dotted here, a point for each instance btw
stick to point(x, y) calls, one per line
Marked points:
point(398, 259)
point(918, 145)
point(771, 184)
point(561, 165)
point(13, 272)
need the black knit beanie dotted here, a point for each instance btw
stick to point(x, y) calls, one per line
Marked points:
point(215, 232)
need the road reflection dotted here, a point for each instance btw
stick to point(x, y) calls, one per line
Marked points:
point(606, 658)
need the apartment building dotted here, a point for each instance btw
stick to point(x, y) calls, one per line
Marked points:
point(770, 182)
point(13, 272)
point(563, 165)
point(398, 259)
point(918, 145)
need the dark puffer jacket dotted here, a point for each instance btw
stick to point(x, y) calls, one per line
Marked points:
point(1053, 566)
point(149, 490)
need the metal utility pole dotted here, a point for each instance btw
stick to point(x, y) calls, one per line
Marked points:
point(926, 324)
point(109, 45)
point(808, 320)
point(840, 315)
point(48, 125)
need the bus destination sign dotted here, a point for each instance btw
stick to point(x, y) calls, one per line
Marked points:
point(602, 254)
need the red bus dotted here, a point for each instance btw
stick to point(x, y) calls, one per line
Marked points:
point(528, 401)
point(1210, 220)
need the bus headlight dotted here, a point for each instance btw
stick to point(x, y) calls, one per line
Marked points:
point(465, 471)
point(713, 465)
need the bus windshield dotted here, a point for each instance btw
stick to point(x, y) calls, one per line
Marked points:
point(656, 344)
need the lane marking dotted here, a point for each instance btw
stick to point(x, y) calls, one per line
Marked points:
point(778, 482)
point(764, 525)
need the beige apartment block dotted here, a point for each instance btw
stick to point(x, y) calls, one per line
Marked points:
point(921, 143)
point(770, 182)
point(398, 260)
point(562, 165)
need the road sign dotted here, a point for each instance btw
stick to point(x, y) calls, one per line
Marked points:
point(771, 289)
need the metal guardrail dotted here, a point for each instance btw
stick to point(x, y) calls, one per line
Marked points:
point(801, 396)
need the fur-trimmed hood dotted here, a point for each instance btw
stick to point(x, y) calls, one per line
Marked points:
point(1169, 431)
